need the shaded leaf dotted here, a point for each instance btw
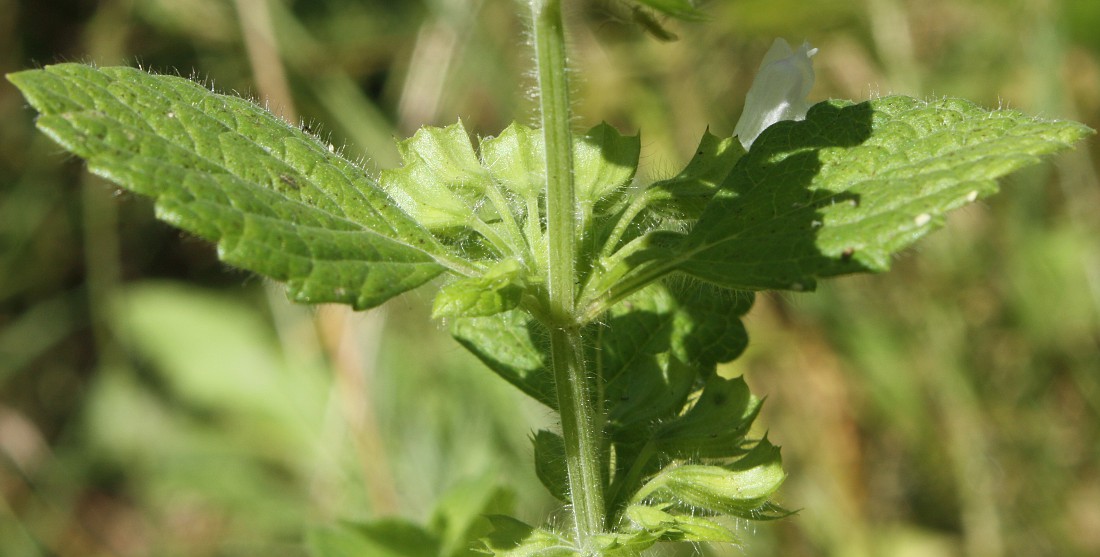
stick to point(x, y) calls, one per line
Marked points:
point(716, 424)
point(604, 162)
point(853, 184)
point(657, 343)
point(685, 195)
point(550, 464)
point(847, 188)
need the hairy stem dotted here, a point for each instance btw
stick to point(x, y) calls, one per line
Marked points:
point(578, 410)
point(560, 197)
point(578, 428)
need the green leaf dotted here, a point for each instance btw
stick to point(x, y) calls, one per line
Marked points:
point(276, 200)
point(696, 326)
point(657, 342)
point(715, 426)
point(498, 290)
point(740, 489)
point(515, 347)
point(604, 162)
point(441, 182)
point(685, 195)
point(389, 537)
point(677, 527)
point(623, 544)
point(458, 520)
point(550, 463)
point(512, 538)
point(847, 188)
point(514, 160)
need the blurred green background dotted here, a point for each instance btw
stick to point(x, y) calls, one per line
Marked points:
point(155, 402)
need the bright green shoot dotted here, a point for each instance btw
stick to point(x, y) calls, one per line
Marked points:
point(553, 259)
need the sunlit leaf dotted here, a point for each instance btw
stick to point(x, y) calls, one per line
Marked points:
point(276, 200)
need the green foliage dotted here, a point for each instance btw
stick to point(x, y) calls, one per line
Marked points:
point(499, 290)
point(277, 201)
point(454, 529)
point(841, 192)
point(852, 185)
point(838, 193)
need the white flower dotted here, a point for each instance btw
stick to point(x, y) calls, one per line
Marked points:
point(778, 91)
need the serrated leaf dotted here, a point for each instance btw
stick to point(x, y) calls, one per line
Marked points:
point(699, 327)
point(604, 162)
point(853, 184)
point(658, 342)
point(276, 200)
point(441, 182)
point(716, 424)
point(515, 347)
point(513, 159)
point(513, 538)
point(685, 195)
point(498, 290)
point(388, 537)
point(550, 463)
point(849, 187)
point(708, 324)
point(740, 489)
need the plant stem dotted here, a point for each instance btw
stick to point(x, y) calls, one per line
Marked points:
point(560, 197)
point(579, 431)
point(575, 402)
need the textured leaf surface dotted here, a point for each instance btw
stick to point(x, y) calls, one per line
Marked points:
point(852, 185)
point(698, 327)
point(657, 343)
point(441, 182)
point(604, 162)
point(687, 194)
point(514, 159)
point(678, 527)
point(276, 200)
point(740, 489)
point(499, 289)
point(716, 424)
point(515, 347)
